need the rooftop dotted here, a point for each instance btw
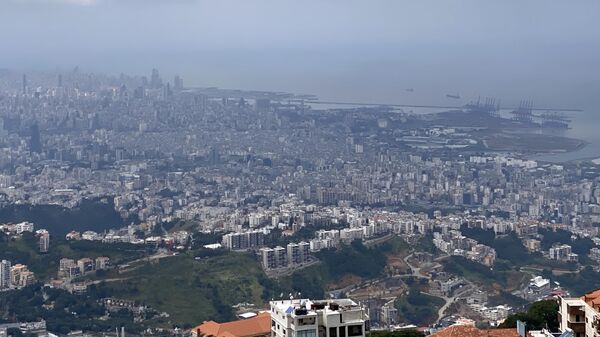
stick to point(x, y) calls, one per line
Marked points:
point(471, 331)
point(592, 299)
point(255, 326)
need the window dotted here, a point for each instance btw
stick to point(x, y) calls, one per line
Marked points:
point(306, 321)
point(306, 333)
point(355, 330)
point(332, 332)
point(272, 323)
point(342, 331)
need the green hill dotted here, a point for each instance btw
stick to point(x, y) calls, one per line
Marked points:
point(190, 290)
point(25, 250)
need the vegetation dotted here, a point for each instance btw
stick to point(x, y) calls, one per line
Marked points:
point(483, 236)
point(62, 311)
point(425, 244)
point(551, 237)
point(395, 246)
point(25, 250)
point(578, 283)
point(399, 333)
point(190, 290)
point(276, 237)
point(310, 282)
point(418, 308)
point(510, 248)
point(200, 239)
point(580, 246)
point(504, 297)
point(474, 271)
point(540, 315)
point(96, 215)
point(353, 259)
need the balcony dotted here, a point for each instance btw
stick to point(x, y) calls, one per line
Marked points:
point(577, 326)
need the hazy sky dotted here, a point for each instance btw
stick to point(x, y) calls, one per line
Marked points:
point(354, 50)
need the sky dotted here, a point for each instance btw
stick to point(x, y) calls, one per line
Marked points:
point(369, 51)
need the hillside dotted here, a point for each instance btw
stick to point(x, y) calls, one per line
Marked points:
point(190, 290)
point(25, 250)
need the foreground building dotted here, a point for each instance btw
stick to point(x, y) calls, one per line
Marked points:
point(580, 314)
point(325, 318)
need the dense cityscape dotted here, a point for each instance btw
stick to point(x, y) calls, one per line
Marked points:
point(418, 219)
point(200, 168)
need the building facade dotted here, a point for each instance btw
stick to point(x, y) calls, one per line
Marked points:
point(325, 318)
point(580, 314)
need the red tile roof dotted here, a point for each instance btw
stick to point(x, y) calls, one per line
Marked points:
point(256, 326)
point(592, 298)
point(471, 331)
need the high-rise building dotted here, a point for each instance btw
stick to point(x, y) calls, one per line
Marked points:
point(293, 253)
point(268, 258)
point(24, 84)
point(177, 83)
point(35, 143)
point(325, 318)
point(44, 241)
point(243, 240)
point(5, 276)
point(280, 256)
point(155, 80)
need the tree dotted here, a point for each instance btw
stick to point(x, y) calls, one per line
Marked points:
point(541, 314)
point(400, 333)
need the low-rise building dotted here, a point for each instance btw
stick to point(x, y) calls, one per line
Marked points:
point(256, 326)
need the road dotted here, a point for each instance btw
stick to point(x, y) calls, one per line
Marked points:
point(416, 272)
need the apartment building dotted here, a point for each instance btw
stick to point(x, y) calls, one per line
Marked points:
point(580, 314)
point(295, 254)
point(21, 276)
point(323, 318)
point(562, 253)
point(5, 277)
point(244, 240)
point(44, 240)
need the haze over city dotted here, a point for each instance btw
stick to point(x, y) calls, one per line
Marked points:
point(351, 50)
point(263, 168)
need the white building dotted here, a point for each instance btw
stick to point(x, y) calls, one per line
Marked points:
point(24, 227)
point(244, 240)
point(325, 318)
point(5, 277)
